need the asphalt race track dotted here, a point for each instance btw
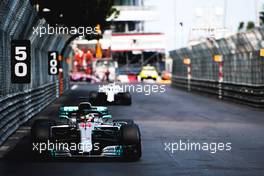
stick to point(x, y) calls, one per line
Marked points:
point(163, 118)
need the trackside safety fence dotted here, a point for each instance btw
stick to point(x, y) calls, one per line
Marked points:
point(20, 102)
point(230, 68)
point(18, 108)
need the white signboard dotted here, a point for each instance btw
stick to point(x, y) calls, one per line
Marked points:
point(138, 42)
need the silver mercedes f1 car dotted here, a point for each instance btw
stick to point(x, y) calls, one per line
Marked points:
point(86, 131)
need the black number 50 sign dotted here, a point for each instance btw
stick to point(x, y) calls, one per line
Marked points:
point(53, 64)
point(20, 61)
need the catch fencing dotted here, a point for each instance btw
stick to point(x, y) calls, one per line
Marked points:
point(229, 68)
point(20, 102)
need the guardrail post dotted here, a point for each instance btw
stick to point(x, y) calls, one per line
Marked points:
point(187, 62)
point(189, 77)
point(60, 76)
point(220, 79)
point(219, 60)
point(57, 89)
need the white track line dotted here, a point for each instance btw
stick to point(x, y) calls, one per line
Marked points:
point(74, 87)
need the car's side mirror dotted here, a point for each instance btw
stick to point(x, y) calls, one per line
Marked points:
point(71, 121)
point(107, 117)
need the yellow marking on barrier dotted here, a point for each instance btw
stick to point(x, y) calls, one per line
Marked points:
point(218, 58)
point(261, 53)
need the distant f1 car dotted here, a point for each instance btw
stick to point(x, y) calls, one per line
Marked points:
point(110, 94)
point(81, 76)
point(87, 131)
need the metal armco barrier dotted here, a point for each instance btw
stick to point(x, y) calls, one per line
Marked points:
point(20, 102)
point(230, 68)
point(18, 108)
point(250, 95)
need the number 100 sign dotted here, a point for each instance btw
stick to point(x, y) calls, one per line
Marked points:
point(20, 61)
point(53, 64)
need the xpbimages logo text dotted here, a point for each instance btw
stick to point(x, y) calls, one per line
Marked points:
point(41, 147)
point(64, 30)
point(187, 145)
point(146, 89)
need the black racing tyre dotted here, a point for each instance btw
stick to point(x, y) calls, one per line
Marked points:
point(130, 135)
point(93, 94)
point(126, 98)
point(128, 121)
point(93, 97)
point(101, 99)
point(41, 129)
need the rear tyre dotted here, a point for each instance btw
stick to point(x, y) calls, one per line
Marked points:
point(130, 136)
point(93, 97)
point(126, 98)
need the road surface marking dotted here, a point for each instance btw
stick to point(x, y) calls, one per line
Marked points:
point(74, 87)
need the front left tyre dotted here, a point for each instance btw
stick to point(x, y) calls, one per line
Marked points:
point(41, 130)
point(40, 134)
point(126, 98)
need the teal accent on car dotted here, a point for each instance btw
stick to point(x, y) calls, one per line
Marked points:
point(64, 110)
point(52, 153)
point(119, 150)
